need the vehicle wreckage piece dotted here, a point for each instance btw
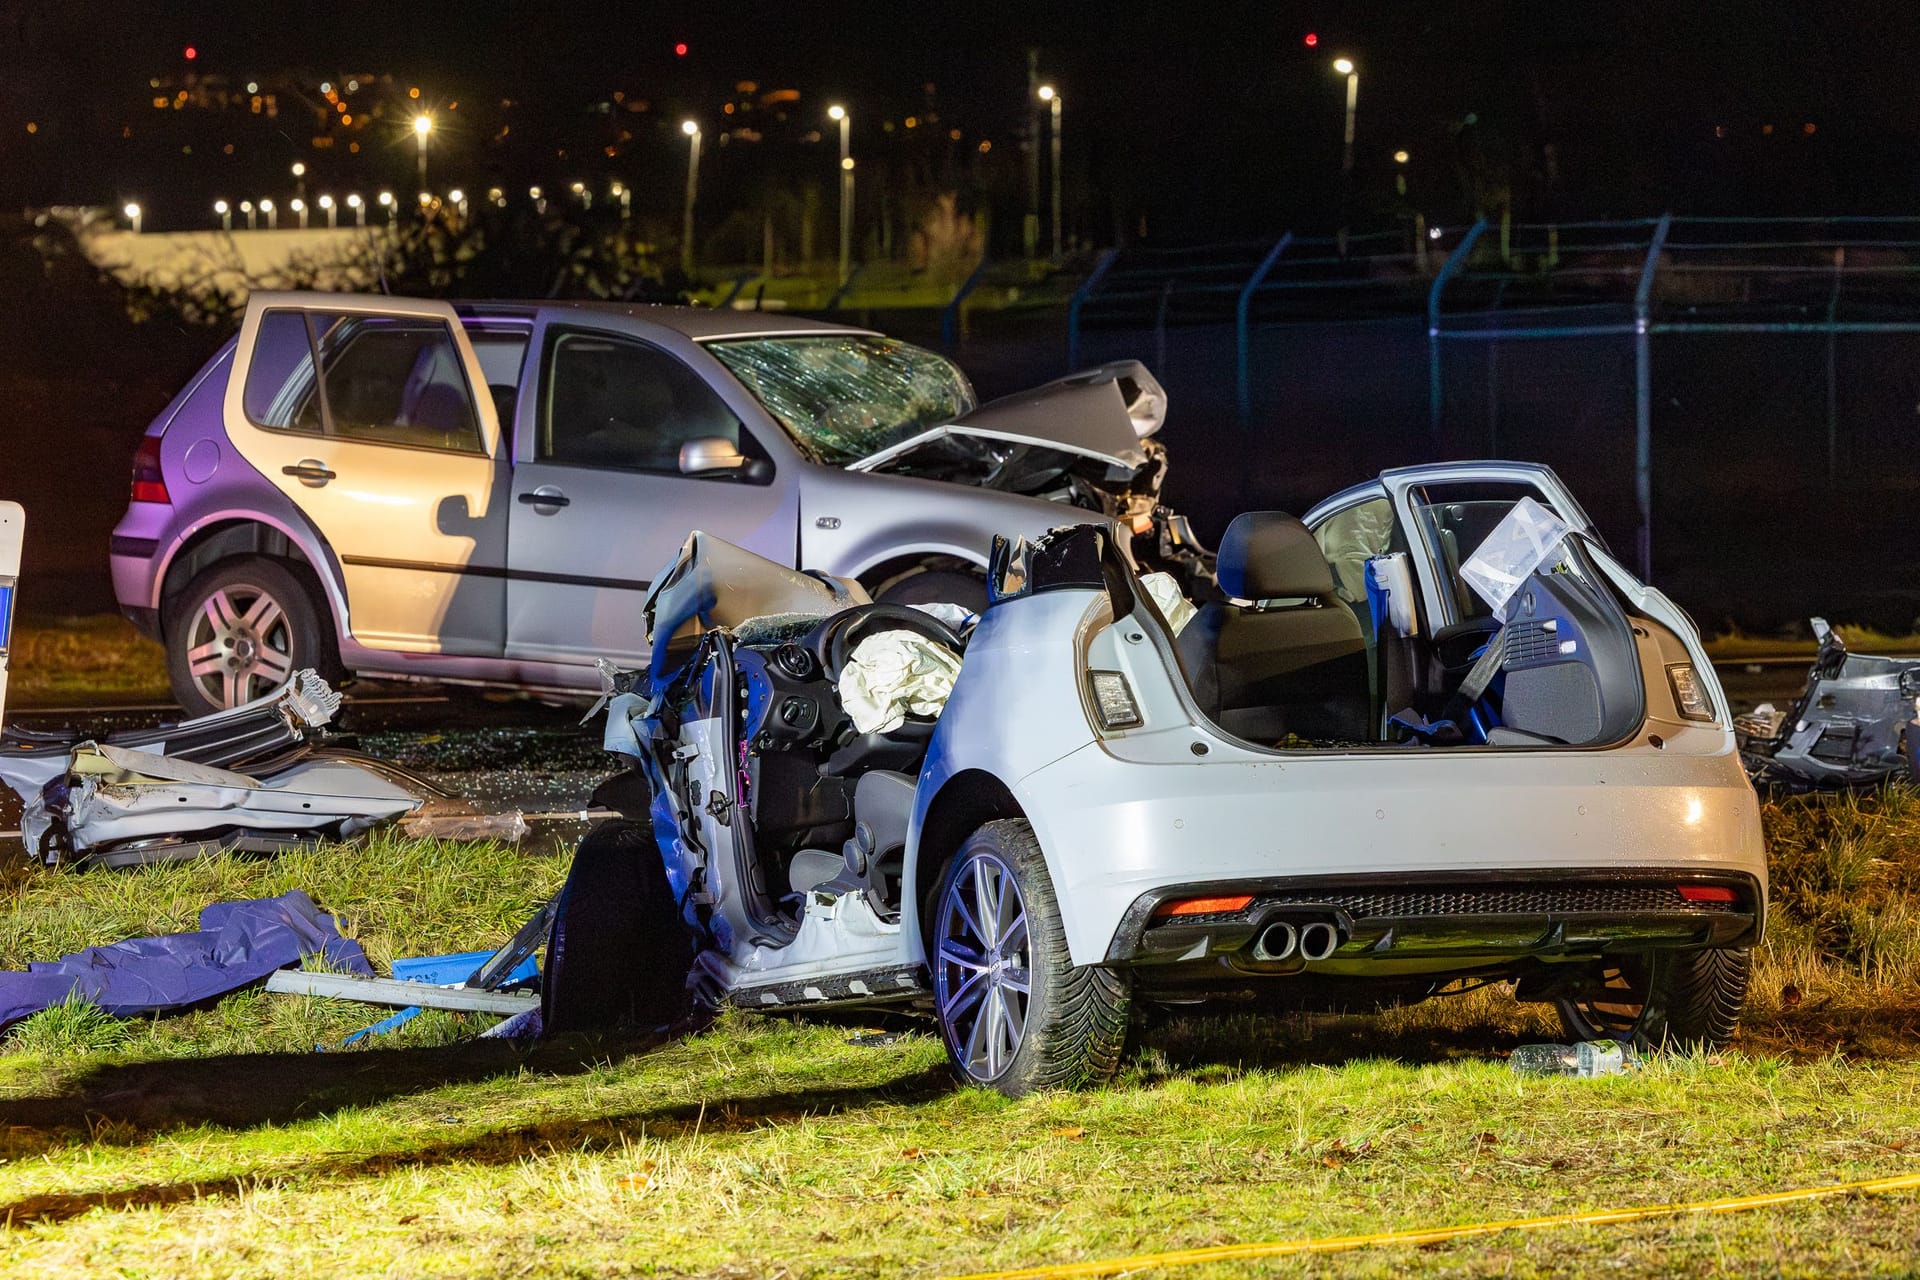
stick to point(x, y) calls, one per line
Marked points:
point(1853, 725)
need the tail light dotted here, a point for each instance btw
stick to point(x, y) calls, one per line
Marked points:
point(1707, 893)
point(149, 485)
point(1205, 906)
point(1689, 694)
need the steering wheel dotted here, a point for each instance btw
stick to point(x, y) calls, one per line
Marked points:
point(833, 639)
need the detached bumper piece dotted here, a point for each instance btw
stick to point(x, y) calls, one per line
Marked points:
point(1284, 927)
point(1856, 724)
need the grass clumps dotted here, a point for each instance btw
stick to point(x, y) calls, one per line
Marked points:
point(90, 659)
point(76, 1027)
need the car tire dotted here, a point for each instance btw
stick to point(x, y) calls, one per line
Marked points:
point(240, 629)
point(619, 954)
point(1667, 1000)
point(1068, 1028)
point(935, 586)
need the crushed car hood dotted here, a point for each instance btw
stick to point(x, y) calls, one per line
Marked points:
point(1105, 413)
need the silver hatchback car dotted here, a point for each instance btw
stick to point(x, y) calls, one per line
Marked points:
point(406, 488)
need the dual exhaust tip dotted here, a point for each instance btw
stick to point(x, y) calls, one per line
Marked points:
point(1311, 940)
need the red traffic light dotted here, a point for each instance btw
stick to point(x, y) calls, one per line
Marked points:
point(1313, 38)
point(680, 50)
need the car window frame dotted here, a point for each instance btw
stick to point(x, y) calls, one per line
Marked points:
point(327, 430)
point(540, 412)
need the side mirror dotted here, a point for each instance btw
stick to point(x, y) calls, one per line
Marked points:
point(709, 454)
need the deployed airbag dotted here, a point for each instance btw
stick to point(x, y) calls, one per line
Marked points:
point(893, 674)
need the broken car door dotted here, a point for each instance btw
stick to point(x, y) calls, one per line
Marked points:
point(364, 412)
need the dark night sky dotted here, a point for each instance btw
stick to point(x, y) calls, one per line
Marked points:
point(1209, 120)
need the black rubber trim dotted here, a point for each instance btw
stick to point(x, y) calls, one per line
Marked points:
point(121, 545)
point(491, 571)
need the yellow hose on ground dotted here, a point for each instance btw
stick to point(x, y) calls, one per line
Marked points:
point(1438, 1235)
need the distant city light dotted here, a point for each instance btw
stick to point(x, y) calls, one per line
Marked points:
point(326, 202)
point(298, 204)
point(1312, 40)
point(33, 126)
point(847, 164)
point(219, 206)
point(353, 86)
point(422, 125)
point(680, 50)
point(1401, 156)
point(533, 192)
point(386, 198)
point(836, 112)
point(192, 53)
point(299, 169)
point(1046, 95)
point(414, 92)
point(1433, 233)
point(354, 201)
point(1343, 65)
point(132, 211)
point(689, 128)
point(456, 196)
point(253, 86)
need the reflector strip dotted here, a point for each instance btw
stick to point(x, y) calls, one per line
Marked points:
point(1203, 906)
point(1707, 893)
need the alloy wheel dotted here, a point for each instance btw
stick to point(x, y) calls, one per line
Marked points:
point(983, 970)
point(1612, 1008)
point(239, 645)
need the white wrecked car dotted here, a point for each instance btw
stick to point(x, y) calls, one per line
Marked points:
point(1434, 736)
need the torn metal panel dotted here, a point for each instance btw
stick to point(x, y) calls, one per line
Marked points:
point(399, 993)
point(1852, 726)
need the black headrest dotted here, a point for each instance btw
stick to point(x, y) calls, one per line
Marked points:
point(1270, 555)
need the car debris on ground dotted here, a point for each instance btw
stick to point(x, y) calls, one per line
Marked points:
point(1856, 724)
point(257, 778)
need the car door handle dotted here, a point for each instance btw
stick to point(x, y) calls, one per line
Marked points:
point(310, 472)
point(545, 496)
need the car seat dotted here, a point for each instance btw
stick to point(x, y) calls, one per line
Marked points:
point(1283, 655)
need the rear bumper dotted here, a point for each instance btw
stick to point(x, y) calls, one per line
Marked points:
point(1439, 919)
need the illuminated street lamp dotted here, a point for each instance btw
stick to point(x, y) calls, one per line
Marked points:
point(586, 196)
point(359, 207)
point(273, 220)
point(246, 207)
point(299, 206)
point(225, 211)
point(422, 126)
point(625, 197)
point(299, 179)
point(1345, 67)
point(326, 202)
point(133, 215)
point(458, 199)
point(1051, 96)
point(692, 131)
point(539, 203)
point(838, 113)
point(386, 202)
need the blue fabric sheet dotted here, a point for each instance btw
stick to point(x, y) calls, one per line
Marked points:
point(239, 943)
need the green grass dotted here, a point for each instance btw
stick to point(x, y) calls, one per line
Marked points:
point(1798, 640)
point(84, 660)
point(216, 1144)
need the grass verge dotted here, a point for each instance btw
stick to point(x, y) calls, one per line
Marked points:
point(84, 660)
point(215, 1144)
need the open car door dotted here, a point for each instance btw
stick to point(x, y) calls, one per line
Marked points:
point(370, 415)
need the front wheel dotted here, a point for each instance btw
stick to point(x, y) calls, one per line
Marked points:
point(1662, 999)
point(1015, 1012)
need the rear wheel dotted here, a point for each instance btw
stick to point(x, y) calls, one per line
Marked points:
point(239, 631)
point(1015, 1011)
point(935, 583)
point(1662, 999)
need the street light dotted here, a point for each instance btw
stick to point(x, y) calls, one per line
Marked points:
point(458, 199)
point(1402, 156)
point(359, 207)
point(133, 215)
point(692, 131)
point(386, 202)
point(246, 207)
point(1051, 96)
point(422, 126)
point(226, 214)
point(586, 196)
point(299, 206)
point(625, 197)
point(1345, 67)
point(838, 113)
point(326, 202)
point(273, 221)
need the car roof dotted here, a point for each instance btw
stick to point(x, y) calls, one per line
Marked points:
point(702, 324)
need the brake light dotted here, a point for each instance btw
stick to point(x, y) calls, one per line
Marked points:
point(1204, 906)
point(1707, 893)
point(149, 485)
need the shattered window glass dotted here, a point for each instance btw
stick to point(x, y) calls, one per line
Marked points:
point(843, 397)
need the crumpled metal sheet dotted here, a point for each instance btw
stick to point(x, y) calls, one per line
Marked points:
point(238, 944)
point(1855, 724)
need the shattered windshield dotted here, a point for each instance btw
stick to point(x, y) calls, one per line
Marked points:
point(843, 397)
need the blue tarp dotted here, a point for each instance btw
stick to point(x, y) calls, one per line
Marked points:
point(239, 943)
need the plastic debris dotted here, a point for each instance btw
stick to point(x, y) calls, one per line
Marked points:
point(508, 826)
point(1586, 1059)
point(1525, 539)
point(1168, 598)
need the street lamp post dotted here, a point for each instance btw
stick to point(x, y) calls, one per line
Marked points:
point(133, 215)
point(458, 199)
point(386, 202)
point(299, 179)
point(246, 207)
point(300, 209)
point(625, 197)
point(1345, 67)
point(273, 219)
point(1051, 96)
point(359, 207)
point(326, 202)
point(839, 113)
point(692, 131)
point(422, 126)
point(225, 211)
